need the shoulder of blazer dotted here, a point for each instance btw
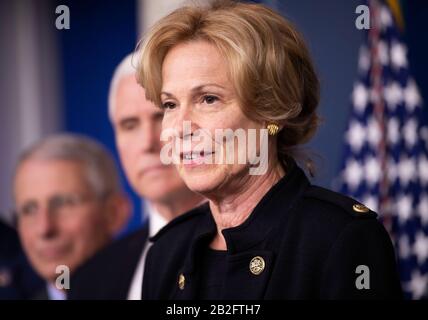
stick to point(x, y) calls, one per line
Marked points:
point(344, 203)
point(184, 218)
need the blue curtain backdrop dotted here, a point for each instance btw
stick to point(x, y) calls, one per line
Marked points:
point(101, 33)
point(416, 26)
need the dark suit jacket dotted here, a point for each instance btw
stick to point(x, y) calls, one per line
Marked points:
point(42, 294)
point(17, 278)
point(311, 239)
point(108, 275)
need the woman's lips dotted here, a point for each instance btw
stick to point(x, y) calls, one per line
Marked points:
point(191, 159)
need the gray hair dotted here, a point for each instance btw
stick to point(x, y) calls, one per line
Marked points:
point(124, 68)
point(101, 171)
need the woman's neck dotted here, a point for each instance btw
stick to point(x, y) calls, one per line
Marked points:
point(232, 210)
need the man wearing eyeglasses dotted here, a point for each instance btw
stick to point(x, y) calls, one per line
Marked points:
point(69, 205)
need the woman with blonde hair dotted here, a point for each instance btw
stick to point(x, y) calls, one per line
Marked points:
point(264, 234)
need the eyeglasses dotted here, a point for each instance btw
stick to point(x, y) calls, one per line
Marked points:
point(59, 204)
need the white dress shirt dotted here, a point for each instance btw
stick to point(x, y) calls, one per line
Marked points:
point(156, 222)
point(54, 293)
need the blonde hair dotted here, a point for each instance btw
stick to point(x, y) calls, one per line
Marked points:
point(268, 63)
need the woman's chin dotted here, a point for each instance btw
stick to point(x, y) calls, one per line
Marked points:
point(203, 183)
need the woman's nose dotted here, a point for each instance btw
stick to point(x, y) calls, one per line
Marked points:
point(183, 122)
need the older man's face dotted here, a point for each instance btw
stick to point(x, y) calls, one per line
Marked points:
point(138, 123)
point(60, 219)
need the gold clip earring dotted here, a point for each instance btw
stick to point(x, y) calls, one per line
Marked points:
point(272, 129)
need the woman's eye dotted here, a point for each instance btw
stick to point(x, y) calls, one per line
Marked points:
point(168, 105)
point(209, 99)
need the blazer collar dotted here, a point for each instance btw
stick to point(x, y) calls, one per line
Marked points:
point(274, 206)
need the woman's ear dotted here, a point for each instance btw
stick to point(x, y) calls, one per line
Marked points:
point(119, 209)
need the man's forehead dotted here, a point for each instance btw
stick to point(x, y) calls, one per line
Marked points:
point(51, 177)
point(127, 81)
point(131, 98)
point(51, 170)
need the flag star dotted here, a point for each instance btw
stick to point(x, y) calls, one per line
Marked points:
point(406, 170)
point(393, 95)
point(353, 174)
point(404, 250)
point(417, 285)
point(420, 247)
point(372, 171)
point(404, 208)
point(383, 53)
point(392, 170)
point(360, 97)
point(393, 130)
point(373, 133)
point(375, 95)
point(423, 209)
point(364, 59)
point(371, 202)
point(356, 136)
point(423, 169)
point(411, 95)
point(398, 55)
point(410, 133)
point(385, 18)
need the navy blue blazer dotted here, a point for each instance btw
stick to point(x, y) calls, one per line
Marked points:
point(300, 242)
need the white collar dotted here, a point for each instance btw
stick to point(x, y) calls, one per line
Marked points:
point(54, 293)
point(156, 221)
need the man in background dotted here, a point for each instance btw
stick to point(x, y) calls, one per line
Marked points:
point(117, 271)
point(69, 205)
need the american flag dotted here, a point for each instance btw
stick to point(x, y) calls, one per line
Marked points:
point(385, 163)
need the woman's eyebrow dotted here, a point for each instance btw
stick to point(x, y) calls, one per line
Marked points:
point(198, 88)
point(202, 86)
point(169, 95)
